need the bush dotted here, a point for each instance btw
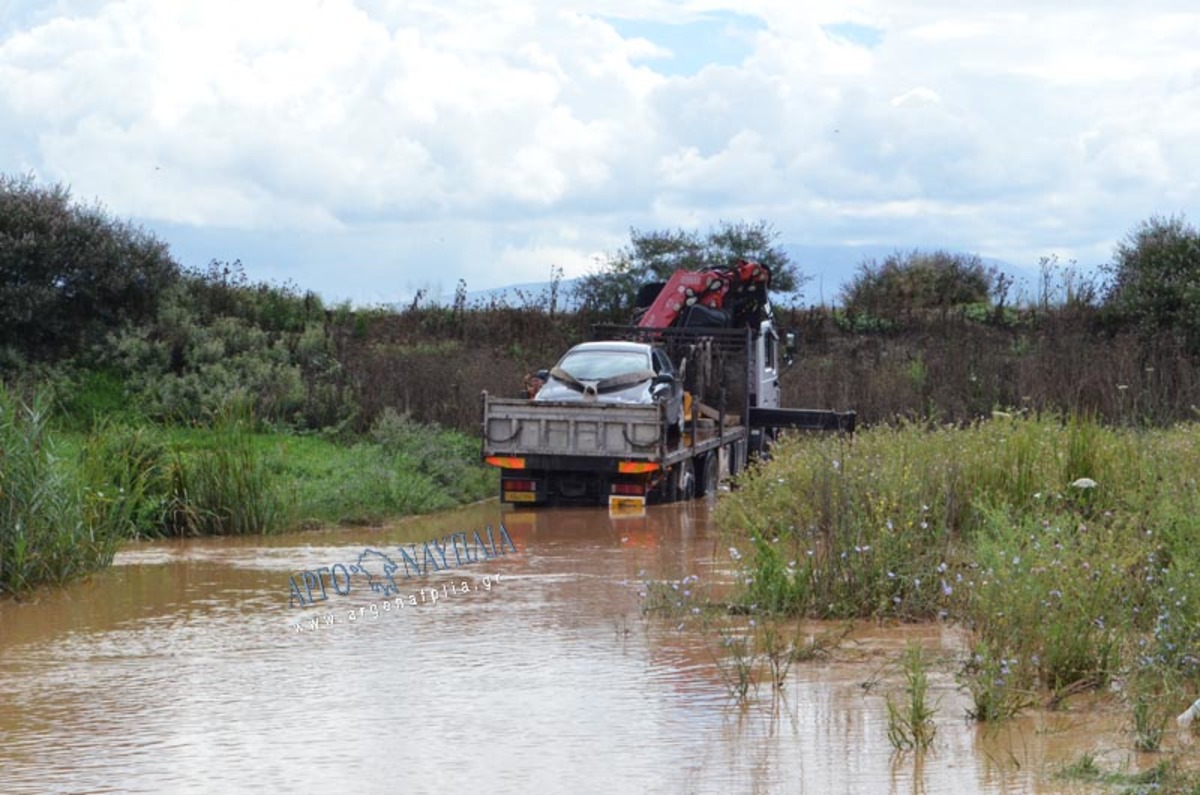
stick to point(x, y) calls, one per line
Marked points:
point(446, 458)
point(1155, 279)
point(193, 359)
point(69, 273)
point(401, 468)
point(907, 284)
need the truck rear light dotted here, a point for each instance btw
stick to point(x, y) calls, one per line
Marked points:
point(629, 488)
point(520, 485)
point(505, 461)
point(636, 467)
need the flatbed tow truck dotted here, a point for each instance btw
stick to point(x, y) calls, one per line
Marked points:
point(710, 333)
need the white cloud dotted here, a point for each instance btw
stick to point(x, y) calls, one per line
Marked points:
point(500, 123)
point(538, 261)
point(916, 96)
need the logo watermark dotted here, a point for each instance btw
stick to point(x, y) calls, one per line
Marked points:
point(379, 569)
point(397, 604)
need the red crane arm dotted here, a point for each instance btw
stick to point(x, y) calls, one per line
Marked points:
point(708, 288)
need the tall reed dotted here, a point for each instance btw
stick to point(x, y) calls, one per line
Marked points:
point(226, 487)
point(51, 529)
point(125, 470)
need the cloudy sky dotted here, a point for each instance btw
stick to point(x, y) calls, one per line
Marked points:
point(367, 148)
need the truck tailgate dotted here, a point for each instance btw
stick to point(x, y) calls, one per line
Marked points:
point(612, 430)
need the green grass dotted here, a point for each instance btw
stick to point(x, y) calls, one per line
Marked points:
point(70, 497)
point(229, 479)
point(1067, 549)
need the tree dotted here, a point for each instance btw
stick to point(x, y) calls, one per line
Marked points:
point(654, 256)
point(909, 282)
point(1154, 280)
point(69, 273)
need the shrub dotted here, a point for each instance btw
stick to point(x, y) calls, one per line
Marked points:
point(70, 273)
point(190, 363)
point(1155, 279)
point(907, 284)
point(445, 457)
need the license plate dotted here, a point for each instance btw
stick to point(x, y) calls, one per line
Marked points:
point(626, 505)
point(520, 496)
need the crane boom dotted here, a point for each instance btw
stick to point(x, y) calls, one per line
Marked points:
point(736, 294)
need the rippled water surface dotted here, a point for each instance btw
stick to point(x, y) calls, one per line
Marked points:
point(183, 668)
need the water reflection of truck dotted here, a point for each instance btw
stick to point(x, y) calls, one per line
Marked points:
point(661, 411)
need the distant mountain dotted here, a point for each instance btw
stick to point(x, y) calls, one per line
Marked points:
point(520, 295)
point(829, 269)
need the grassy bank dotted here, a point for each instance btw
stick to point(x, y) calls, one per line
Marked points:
point(1067, 549)
point(69, 498)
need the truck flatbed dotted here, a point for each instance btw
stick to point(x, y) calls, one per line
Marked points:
point(552, 451)
point(609, 431)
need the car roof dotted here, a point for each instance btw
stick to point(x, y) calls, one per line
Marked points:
point(614, 346)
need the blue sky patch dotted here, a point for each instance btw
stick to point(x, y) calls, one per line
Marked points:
point(863, 35)
point(724, 39)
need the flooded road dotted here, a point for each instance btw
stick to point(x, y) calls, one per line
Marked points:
point(184, 669)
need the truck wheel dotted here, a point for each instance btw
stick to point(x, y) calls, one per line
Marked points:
point(681, 484)
point(687, 480)
point(706, 481)
point(761, 442)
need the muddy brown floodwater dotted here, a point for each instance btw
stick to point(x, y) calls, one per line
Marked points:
point(183, 669)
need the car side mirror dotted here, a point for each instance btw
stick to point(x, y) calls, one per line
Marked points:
point(664, 379)
point(789, 347)
point(543, 375)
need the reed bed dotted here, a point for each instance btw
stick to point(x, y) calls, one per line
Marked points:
point(1067, 549)
point(50, 529)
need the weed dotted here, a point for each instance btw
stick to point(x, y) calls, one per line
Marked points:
point(1082, 769)
point(1064, 548)
point(819, 646)
point(1164, 777)
point(666, 598)
point(996, 685)
point(777, 651)
point(1154, 694)
point(737, 666)
point(910, 724)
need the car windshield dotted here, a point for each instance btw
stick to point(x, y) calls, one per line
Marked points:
point(597, 365)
